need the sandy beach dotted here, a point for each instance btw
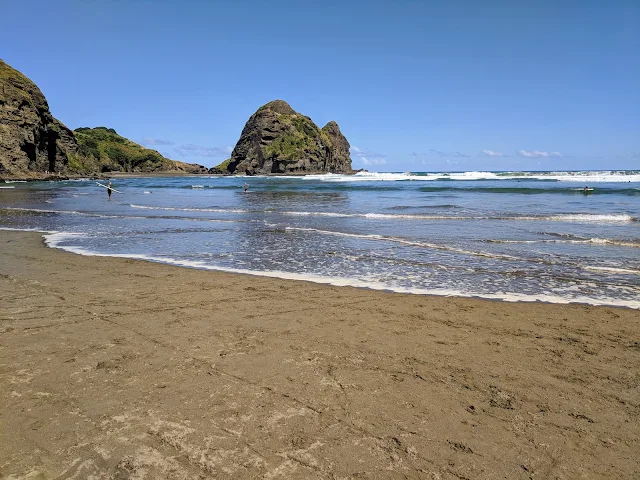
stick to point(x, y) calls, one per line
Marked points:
point(117, 368)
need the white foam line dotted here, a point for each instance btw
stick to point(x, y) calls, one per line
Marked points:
point(54, 241)
point(72, 212)
point(11, 229)
point(608, 241)
point(576, 177)
point(44, 210)
point(592, 241)
point(99, 215)
point(176, 209)
point(389, 216)
point(319, 214)
point(407, 242)
point(524, 241)
point(613, 270)
point(582, 218)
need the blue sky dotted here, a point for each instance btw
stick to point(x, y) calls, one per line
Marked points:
point(414, 85)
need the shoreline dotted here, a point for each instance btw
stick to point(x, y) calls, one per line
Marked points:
point(334, 281)
point(127, 368)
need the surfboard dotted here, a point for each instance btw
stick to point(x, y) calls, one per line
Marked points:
point(112, 189)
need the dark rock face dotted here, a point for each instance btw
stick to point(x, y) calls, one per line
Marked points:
point(277, 139)
point(339, 152)
point(31, 139)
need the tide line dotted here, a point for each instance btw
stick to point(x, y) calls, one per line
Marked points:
point(54, 240)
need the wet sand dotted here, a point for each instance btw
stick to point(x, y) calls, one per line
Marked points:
point(117, 368)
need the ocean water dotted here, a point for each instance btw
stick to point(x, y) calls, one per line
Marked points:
point(519, 236)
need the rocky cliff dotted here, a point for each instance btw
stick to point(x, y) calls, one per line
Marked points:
point(33, 143)
point(277, 139)
point(31, 140)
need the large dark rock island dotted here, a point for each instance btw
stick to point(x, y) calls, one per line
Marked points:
point(277, 139)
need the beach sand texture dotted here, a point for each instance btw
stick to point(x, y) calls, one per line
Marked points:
point(123, 369)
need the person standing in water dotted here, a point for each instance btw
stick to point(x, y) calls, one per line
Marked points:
point(109, 190)
point(245, 187)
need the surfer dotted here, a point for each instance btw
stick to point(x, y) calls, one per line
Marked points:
point(109, 190)
point(245, 187)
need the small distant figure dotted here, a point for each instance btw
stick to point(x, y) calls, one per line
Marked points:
point(245, 188)
point(109, 190)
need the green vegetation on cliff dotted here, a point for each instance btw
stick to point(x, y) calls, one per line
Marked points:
point(17, 82)
point(221, 167)
point(102, 149)
point(296, 142)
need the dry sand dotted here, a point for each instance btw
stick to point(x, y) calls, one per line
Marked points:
point(114, 368)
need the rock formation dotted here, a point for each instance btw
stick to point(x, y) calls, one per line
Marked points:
point(277, 139)
point(339, 155)
point(31, 139)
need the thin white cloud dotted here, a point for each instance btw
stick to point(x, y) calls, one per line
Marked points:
point(449, 154)
point(367, 157)
point(365, 152)
point(373, 161)
point(155, 141)
point(538, 154)
point(491, 153)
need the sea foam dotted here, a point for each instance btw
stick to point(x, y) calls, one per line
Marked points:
point(579, 177)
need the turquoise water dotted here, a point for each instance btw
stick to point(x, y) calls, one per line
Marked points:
point(511, 236)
